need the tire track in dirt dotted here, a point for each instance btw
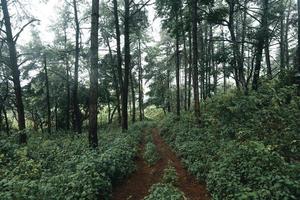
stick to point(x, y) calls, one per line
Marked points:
point(137, 185)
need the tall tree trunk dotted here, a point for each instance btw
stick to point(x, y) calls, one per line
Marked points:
point(262, 38)
point(109, 111)
point(238, 65)
point(268, 61)
point(56, 115)
point(67, 81)
point(77, 113)
point(177, 71)
point(298, 54)
point(185, 64)
point(141, 101)
point(115, 82)
point(287, 23)
point(93, 138)
point(168, 92)
point(6, 121)
point(13, 61)
point(190, 70)
point(119, 55)
point(224, 65)
point(47, 96)
point(195, 59)
point(133, 97)
point(282, 46)
point(127, 66)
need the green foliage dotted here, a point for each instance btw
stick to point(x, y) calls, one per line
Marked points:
point(62, 166)
point(251, 171)
point(150, 153)
point(170, 176)
point(246, 146)
point(163, 191)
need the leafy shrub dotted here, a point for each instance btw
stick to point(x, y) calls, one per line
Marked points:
point(250, 171)
point(163, 191)
point(150, 153)
point(222, 152)
point(62, 166)
point(170, 176)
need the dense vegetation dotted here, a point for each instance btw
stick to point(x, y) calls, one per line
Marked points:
point(247, 146)
point(63, 167)
point(78, 89)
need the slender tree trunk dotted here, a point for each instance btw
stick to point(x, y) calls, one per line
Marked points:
point(177, 71)
point(77, 113)
point(56, 115)
point(93, 138)
point(141, 109)
point(224, 65)
point(119, 55)
point(287, 57)
point(238, 65)
point(262, 36)
point(298, 54)
point(67, 82)
point(190, 70)
point(13, 61)
point(116, 82)
point(168, 92)
point(109, 110)
point(195, 59)
point(127, 66)
point(47, 96)
point(282, 47)
point(185, 65)
point(6, 120)
point(268, 61)
point(133, 98)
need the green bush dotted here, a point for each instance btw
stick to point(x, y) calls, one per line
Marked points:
point(250, 171)
point(62, 166)
point(170, 176)
point(163, 191)
point(150, 153)
point(222, 152)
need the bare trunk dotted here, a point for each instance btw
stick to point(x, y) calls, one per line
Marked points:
point(195, 59)
point(13, 61)
point(47, 96)
point(262, 38)
point(127, 66)
point(93, 138)
point(190, 70)
point(77, 113)
point(177, 72)
point(133, 97)
point(141, 101)
point(67, 83)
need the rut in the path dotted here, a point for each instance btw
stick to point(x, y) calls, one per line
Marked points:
point(137, 185)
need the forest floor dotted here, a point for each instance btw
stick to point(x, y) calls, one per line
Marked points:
point(137, 185)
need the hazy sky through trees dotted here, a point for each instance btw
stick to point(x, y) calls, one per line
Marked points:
point(47, 13)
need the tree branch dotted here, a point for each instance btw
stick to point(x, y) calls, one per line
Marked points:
point(16, 37)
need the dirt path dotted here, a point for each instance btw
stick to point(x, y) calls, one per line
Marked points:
point(137, 185)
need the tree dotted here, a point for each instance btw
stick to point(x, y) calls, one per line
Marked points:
point(77, 113)
point(14, 66)
point(93, 139)
point(47, 95)
point(195, 58)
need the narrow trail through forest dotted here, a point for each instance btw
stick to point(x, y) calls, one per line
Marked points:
point(137, 185)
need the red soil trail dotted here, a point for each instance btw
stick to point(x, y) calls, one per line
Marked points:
point(137, 185)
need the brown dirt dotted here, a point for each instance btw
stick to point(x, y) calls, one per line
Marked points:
point(137, 185)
